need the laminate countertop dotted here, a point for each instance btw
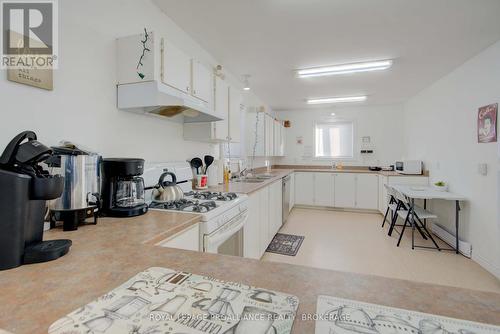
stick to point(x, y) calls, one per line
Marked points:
point(106, 255)
point(279, 172)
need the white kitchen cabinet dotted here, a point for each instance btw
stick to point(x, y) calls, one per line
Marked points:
point(278, 139)
point(269, 138)
point(176, 67)
point(251, 232)
point(255, 133)
point(235, 106)
point(213, 131)
point(323, 189)
point(304, 188)
point(188, 239)
point(367, 191)
point(129, 50)
point(276, 208)
point(345, 190)
point(201, 81)
point(382, 194)
point(292, 191)
point(264, 220)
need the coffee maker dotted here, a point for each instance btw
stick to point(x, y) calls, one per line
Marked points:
point(122, 187)
point(25, 186)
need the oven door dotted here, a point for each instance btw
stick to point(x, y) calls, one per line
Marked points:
point(227, 239)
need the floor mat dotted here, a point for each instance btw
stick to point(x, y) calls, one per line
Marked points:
point(285, 244)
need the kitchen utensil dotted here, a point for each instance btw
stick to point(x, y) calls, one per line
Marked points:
point(201, 181)
point(166, 191)
point(123, 187)
point(208, 161)
point(196, 163)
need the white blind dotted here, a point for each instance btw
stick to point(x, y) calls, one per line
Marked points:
point(334, 140)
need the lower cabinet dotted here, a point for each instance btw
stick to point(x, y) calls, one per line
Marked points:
point(264, 219)
point(304, 188)
point(366, 191)
point(292, 191)
point(345, 190)
point(323, 189)
point(188, 239)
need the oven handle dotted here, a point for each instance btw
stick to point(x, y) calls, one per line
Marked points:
point(218, 237)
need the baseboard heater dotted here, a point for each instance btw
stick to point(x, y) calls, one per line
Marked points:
point(464, 247)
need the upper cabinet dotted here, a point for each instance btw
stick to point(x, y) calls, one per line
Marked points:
point(176, 67)
point(202, 80)
point(235, 106)
point(265, 136)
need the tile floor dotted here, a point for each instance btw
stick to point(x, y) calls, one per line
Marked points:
point(355, 242)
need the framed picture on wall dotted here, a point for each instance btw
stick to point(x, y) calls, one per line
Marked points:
point(487, 124)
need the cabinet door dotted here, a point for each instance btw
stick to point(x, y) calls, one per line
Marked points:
point(235, 102)
point(304, 188)
point(282, 140)
point(202, 81)
point(221, 106)
point(345, 190)
point(382, 194)
point(276, 138)
point(292, 191)
point(264, 219)
point(276, 208)
point(251, 232)
point(176, 68)
point(323, 189)
point(189, 240)
point(367, 191)
point(269, 135)
point(255, 133)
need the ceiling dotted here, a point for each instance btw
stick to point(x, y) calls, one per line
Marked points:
point(268, 39)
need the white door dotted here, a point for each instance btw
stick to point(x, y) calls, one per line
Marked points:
point(276, 208)
point(323, 189)
point(345, 190)
point(202, 81)
point(176, 68)
point(251, 231)
point(221, 106)
point(367, 191)
point(235, 102)
point(264, 219)
point(304, 188)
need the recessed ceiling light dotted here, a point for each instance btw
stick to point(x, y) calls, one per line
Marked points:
point(332, 114)
point(246, 83)
point(345, 68)
point(337, 100)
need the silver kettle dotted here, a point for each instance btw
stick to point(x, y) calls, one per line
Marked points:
point(166, 191)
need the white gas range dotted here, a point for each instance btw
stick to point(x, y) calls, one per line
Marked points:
point(223, 215)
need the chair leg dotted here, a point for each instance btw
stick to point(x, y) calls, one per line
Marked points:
point(385, 216)
point(412, 232)
point(403, 230)
point(393, 220)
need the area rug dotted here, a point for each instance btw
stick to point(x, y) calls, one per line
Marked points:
point(285, 244)
point(345, 316)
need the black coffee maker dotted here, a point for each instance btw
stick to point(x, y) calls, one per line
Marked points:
point(122, 188)
point(25, 186)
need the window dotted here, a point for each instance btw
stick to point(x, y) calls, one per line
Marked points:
point(334, 140)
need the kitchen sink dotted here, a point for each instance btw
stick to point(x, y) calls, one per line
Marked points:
point(249, 180)
point(264, 176)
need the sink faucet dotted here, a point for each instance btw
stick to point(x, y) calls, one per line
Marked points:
point(243, 172)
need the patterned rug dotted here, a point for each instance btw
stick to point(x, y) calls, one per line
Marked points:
point(285, 244)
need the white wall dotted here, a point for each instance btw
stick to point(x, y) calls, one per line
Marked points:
point(82, 107)
point(441, 129)
point(378, 122)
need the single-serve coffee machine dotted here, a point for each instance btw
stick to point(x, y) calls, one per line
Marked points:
point(122, 187)
point(25, 186)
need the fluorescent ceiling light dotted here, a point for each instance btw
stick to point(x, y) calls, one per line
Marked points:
point(345, 68)
point(337, 100)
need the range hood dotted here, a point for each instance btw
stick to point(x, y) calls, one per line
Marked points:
point(152, 97)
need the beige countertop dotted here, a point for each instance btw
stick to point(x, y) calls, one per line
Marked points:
point(104, 256)
point(279, 172)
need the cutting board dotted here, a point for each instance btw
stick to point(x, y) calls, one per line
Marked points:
point(345, 316)
point(162, 300)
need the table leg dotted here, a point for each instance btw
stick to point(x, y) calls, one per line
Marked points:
point(412, 223)
point(457, 213)
point(425, 208)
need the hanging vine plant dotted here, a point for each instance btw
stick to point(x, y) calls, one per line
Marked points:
point(143, 54)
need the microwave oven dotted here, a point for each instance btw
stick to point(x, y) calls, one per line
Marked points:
point(410, 167)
